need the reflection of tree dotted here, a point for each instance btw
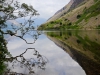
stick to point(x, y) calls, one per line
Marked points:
point(38, 61)
point(11, 10)
point(27, 63)
point(31, 63)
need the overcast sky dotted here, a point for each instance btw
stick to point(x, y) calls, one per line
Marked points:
point(46, 8)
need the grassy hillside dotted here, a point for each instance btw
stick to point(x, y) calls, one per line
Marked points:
point(85, 16)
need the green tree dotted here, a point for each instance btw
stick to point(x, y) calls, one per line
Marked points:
point(11, 10)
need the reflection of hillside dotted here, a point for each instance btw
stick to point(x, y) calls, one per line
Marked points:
point(82, 46)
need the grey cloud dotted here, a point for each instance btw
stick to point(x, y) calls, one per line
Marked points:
point(46, 8)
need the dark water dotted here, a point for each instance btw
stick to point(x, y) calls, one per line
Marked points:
point(65, 53)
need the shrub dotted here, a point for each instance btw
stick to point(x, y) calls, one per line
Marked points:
point(69, 23)
point(60, 23)
point(78, 41)
point(52, 22)
point(66, 19)
point(78, 16)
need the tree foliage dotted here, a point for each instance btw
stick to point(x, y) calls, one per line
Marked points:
point(11, 10)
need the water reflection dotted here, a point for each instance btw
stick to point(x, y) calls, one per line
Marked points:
point(82, 46)
point(23, 63)
point(59, 62)
point(19, 63)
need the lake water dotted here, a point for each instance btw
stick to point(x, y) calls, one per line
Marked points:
point(64, 53)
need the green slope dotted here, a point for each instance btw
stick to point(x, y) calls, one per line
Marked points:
point(85, 16)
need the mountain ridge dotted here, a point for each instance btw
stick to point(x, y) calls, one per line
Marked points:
point(71, 5)
point(77, 14)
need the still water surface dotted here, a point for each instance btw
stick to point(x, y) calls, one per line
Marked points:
point(59, 61)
